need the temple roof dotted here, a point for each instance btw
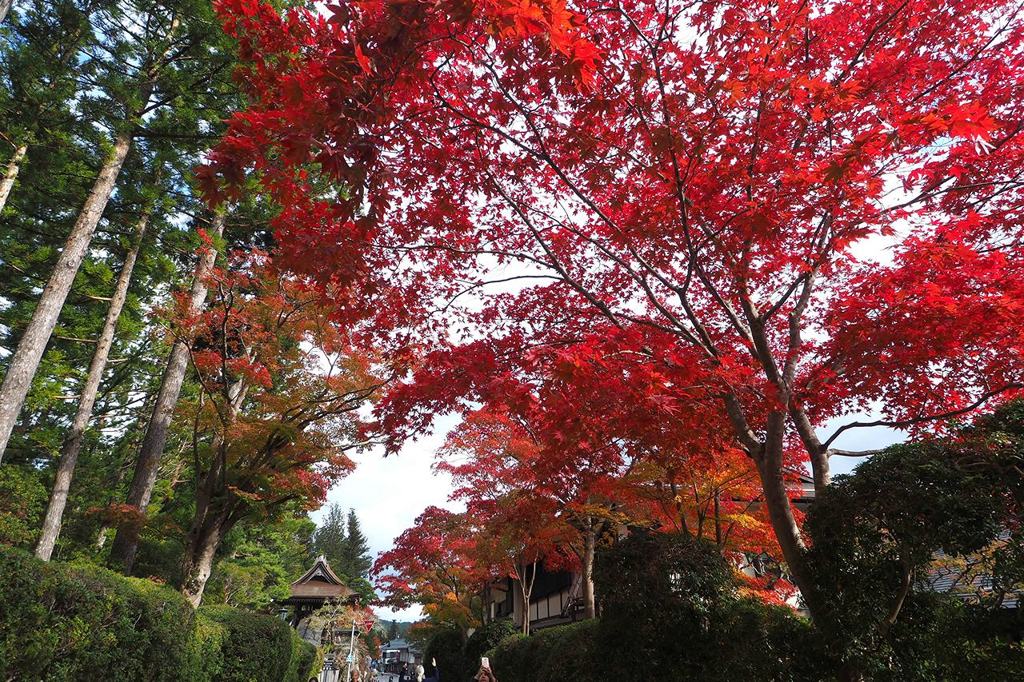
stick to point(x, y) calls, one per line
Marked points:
point(319, 583)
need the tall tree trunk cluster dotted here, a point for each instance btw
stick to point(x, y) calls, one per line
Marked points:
point(23, 364)
point(73, 441)
point(147, 462)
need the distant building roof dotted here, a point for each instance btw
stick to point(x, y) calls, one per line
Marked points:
point(399, 645)
point(319, 584)
point(968, 579)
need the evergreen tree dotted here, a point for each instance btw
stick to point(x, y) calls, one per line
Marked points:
point(154, 70)
point(340, 539)
point(329, 538)
point(356, 552)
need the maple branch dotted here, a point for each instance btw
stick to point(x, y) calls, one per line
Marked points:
point(555, 264)
point(693, 264)
point(837, 452)
point(900, 423)
point(479, 285)
point(863, 48)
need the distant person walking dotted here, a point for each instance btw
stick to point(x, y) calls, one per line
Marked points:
point(403, 674)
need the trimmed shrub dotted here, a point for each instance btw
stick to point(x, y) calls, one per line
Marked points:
point(82, 622)
point(446, 646)
point(206, 651)
point(566, 652)
point(304, 662)
point(484, 639)
point(75, 622)
point(570, 653)
point(671, 612)
point(515, 658)
point(257, 648)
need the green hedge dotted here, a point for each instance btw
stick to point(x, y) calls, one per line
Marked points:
point(259, 648)
point(671, 612)
point(566, 652)
point(447, 647)
point(485, 638)
point(75, 622)
point(81, 622)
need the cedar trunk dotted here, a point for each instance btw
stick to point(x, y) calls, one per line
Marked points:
point(126, 542)
point(13, 166)
point(30, 348)
point(73, 441)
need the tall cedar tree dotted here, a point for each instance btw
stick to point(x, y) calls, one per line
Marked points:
point(46, 67)
point(356, 553)
point(144, 56)
point(329, 538)
point(701, 175)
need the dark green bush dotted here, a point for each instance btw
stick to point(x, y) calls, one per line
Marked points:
point(566, 652)
point(23, 498)
point(670, 611)
point(881, 527)
point(257, 648)
point(446, 647)
point(82, 622)
point(76, 622)
point(304, 662)
point(510, 657)
point(660, 594)
point(485, 638)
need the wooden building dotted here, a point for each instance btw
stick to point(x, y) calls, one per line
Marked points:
point(317, 586)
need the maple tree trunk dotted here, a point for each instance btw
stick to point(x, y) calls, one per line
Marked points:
point(13, 166)
point(33, 342)
point(73, 441)
point(787, 532)
point(210, 523)
point(526, 589)
point(126, 542)
point(197, 563)
point(589, 606)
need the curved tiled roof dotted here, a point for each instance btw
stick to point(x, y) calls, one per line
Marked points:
point(319, 583)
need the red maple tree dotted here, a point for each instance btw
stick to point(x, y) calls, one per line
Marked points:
point(703, 175)
point(433, 564)
point(276, 413)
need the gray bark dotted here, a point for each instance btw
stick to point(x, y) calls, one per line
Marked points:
point(30, 349)
point(587, 577)
point(526, 590)
point(13, 166)
point(73, 442)
point(787, 532)
point(213, 516)
point(122, 553)
point(5, 7)
point(197, 564)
